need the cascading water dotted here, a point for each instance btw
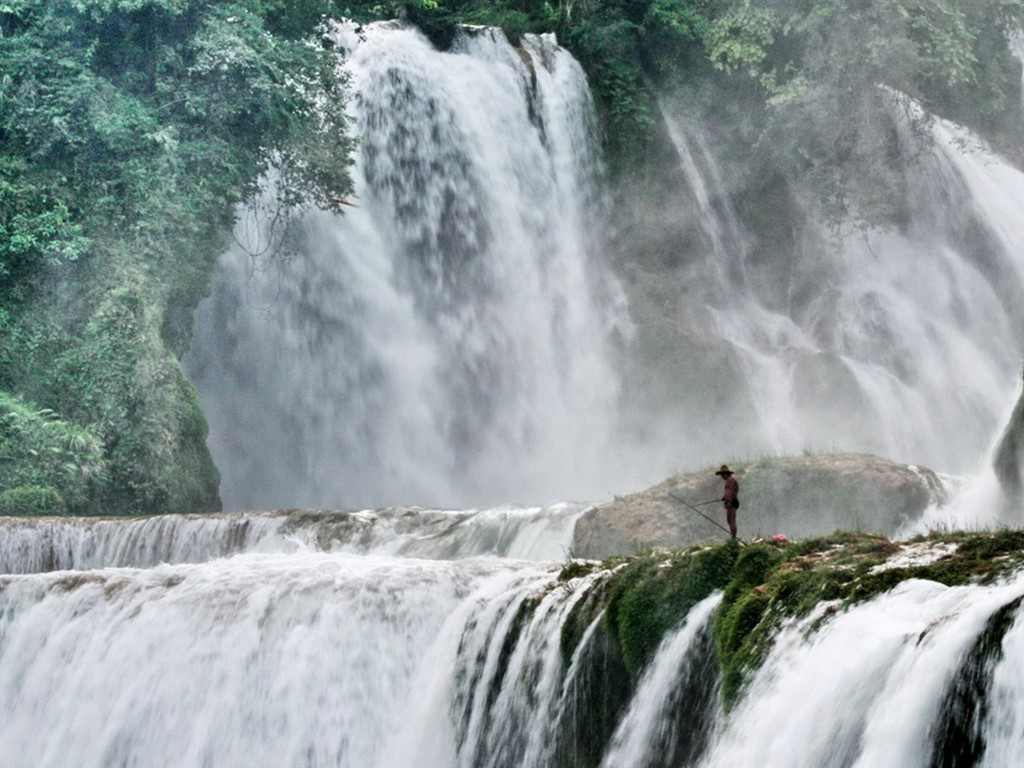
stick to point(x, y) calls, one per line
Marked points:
point(452, 340)
point(901, 343)
point(675, 699)
point(870, 687)
point(449, 340)
point(290, 656)
point(528, 533)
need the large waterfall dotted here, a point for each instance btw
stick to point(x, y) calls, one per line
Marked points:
point(455, 338)
point(903, 342)
point(449, 340)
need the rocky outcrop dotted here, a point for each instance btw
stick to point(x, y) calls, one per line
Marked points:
point(1009, 458)
point(796, 496)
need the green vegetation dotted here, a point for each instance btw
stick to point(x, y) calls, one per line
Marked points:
point(810, 88)
point(765, 585)
point(830, 573)
point(653, 593)
point(40, 454)
point(833, 77)
point(129, 131)
point(26, 500)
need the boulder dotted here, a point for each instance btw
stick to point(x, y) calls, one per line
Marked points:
point(798, 496)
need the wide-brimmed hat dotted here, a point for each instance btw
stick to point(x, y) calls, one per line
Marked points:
point(724, 471)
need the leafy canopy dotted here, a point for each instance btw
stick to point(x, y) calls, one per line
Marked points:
point(130, 130)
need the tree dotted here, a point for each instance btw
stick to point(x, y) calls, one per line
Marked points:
point(835, 74)
point(130, 130)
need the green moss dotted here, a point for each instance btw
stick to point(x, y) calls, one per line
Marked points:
point(597, 696)
point(978, 558)
point(741, 634)
point(842, 569)
point(575, 625)
point(653, 593)
point(764, 586)
point(520, 621)
point(574, 569)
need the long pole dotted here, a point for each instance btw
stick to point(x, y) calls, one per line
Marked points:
point(710, 520)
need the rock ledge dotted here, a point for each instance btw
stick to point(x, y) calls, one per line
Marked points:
point(797, 496)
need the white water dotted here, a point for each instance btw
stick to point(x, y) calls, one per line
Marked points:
point(285, 658)
point(647, 725)
point(865, 690)
point(453, 340)
point(253, 660)
point(340, 659)
point(523, 533)
point(448, 341)
point(894, 342)
point(376, 371)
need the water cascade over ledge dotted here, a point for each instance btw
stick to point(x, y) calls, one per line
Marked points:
point(299, 656)
point(903, 342)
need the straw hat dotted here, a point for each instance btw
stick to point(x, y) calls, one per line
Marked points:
point(724, 471)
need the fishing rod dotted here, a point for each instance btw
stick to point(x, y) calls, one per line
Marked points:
point(710, 520)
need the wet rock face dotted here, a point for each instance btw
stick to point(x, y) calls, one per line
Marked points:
point(796, 496)
point(1009, 458)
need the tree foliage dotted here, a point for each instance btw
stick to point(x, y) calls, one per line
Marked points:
point(38, 450)
point(837, 78)
point(820, 76)
point(828, 76)
point(118, 108)
point(129, 132)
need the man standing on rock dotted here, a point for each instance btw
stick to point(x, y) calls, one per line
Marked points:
point(730, 497)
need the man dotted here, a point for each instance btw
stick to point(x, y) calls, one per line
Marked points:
point(730, 497)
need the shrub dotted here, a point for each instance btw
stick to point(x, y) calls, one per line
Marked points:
point(39, 450)
point(32, 500)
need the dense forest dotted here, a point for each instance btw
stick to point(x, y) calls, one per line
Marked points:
point(132, 130)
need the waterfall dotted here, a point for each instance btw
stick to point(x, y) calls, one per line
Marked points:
point(869, 688)
point(1017, 48)
point(449, 340)
point(679, 681)
point(287, 659)
point(83, 544)
point(902, 342)
point(307, 657)
point(252, 660)
point(452, 341)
